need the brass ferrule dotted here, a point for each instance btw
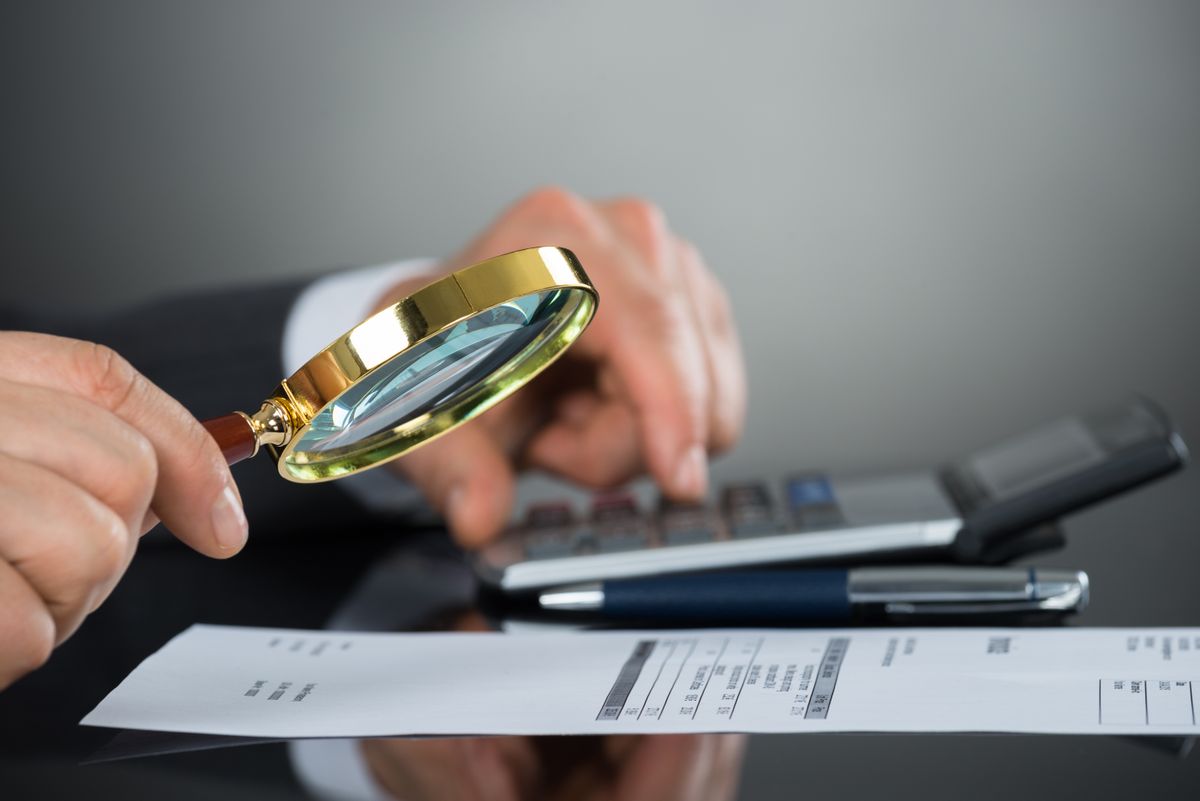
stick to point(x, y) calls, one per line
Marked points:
point(271, 424)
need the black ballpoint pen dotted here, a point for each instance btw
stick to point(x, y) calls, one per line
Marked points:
point(827, 594)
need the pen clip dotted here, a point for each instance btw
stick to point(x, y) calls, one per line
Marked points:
point(934, 591)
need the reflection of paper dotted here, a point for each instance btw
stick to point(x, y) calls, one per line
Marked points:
point(288, 683)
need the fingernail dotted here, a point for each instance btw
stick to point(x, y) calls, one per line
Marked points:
point(229, 521)
point(691, 473)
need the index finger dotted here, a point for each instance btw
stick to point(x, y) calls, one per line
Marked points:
point(646, 331)
point(195, 495)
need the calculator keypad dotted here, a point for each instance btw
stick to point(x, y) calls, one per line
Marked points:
point(615, 523)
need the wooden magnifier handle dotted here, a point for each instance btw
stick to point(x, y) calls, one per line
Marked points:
point(234, 435)
point(239, 435)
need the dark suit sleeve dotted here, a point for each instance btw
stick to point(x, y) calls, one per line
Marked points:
point(215, 351)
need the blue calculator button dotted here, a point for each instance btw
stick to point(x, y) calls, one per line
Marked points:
point(809, 491)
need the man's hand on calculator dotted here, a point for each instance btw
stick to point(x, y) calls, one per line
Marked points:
point(655, 384)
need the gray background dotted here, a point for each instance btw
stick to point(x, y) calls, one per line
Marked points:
point(938, 222)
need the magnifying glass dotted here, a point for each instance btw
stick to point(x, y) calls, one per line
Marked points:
point(419, 368)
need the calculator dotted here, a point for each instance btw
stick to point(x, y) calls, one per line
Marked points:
point(995, 504)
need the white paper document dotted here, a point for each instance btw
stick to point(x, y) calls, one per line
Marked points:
point(289, 683)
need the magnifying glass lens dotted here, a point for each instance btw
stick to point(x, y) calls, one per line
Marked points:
point(443, 380)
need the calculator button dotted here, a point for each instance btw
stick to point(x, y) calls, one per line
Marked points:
point(809, 489)
point(685, 523)
point(812, 502)
point(612, 506)
point(615, 524)
point(747, 496)
point(749, 510)
point(549, 531)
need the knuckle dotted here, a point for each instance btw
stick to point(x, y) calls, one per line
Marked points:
point(553, 204)
point(645, 226)
point(110, 541)
point(108, 377)
point(133, 474)
point(595, 472)
point(640, 213)
point(142, 461)
point(91, 557)
point(549, 196)
point(663, 317)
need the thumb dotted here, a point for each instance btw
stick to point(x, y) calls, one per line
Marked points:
point(467, 478)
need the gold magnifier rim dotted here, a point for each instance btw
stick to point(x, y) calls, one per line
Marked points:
point(407, 323)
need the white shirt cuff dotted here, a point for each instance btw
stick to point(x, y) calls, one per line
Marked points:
point(335, 770)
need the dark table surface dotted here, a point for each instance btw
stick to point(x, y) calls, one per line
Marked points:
point(1141, 551)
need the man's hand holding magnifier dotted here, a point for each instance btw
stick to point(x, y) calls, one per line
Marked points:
point(655, 384)
point(92, 456)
